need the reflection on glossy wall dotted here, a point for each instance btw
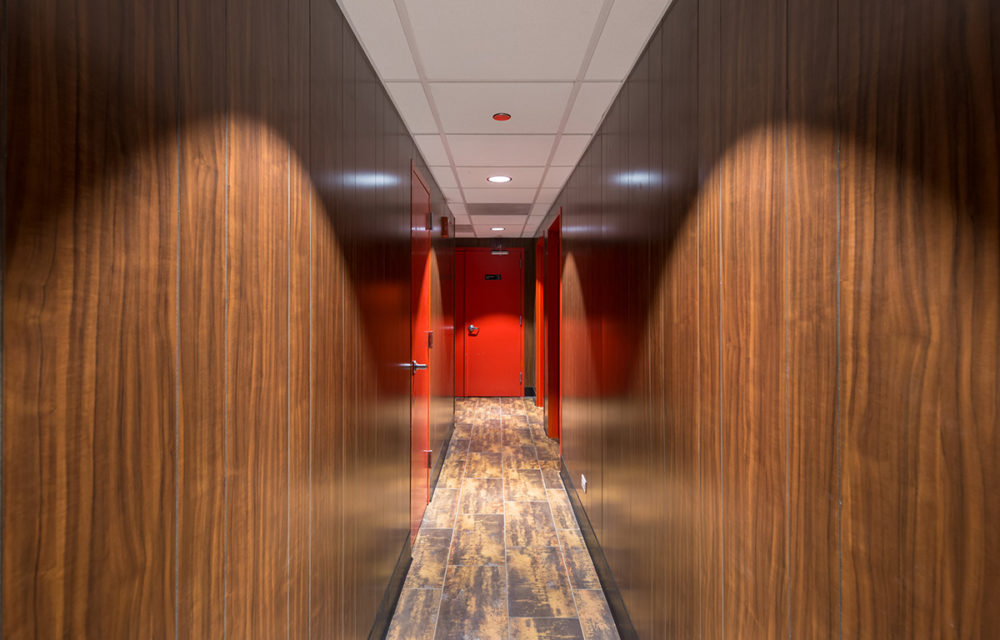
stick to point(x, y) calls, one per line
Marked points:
point(781, 280)
point(205, 313)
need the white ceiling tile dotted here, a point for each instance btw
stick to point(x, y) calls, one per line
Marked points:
point(411, 101)
point(452, 195)
point(500, 151)
point(376, 24)
point(570, 150)
point(591, 104)
point(487, 232)
point(523, 177)
point(510, 40)
point(444, 177)
point(458, 209)
point(432, 149)
point(498, 221)
point(540, 210)
point(462, 220)
point(629, 26)
point(468, 107)
point(465, 234)
point(531, 226)
point(547, 196)
point(557, 177)
point(500, 195)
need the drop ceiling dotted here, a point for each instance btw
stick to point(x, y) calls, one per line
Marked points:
point(554, 65)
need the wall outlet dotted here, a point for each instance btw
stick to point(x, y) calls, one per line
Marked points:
point(583, 482)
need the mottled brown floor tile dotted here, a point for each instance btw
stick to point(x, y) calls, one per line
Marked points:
point(552, 479)
point(458, 445)
point(529, 524)
point(482, 495)
point(524, 485)
point(463, 431)
point(517, 436)
point(452, 471)
point(430, 555)
point(553, 465)
point(483, 465)
point(545, 629)
point(515, 422)
point(595, 616)
point(489, 422)
point(578, 561)
point(519, 456)
point(485, 439)
point(473, 604)
point(440, 512)
point(562, 511)
point(478, 540)
point(416, 615)
point(548, 449)
point(538, 585)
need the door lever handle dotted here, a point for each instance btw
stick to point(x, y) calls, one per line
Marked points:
point(415, 366)
point(473, 330)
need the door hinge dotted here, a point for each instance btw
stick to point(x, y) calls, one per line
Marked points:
point(522, 377)
point(520, 321)
point(428, 452)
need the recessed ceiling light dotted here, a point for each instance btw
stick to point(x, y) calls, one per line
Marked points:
point(497, 228)
point(499, 179)
point(501, 117)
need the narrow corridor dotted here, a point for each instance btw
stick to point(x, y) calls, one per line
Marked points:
point(500, 553)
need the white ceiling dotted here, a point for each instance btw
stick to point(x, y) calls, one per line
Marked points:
point(554, 65)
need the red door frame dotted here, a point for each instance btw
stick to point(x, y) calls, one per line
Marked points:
point(540, 322)
point(461, 334)
point(553, 318)
point(420, 325)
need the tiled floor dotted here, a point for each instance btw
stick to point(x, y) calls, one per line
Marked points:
point(499, 553)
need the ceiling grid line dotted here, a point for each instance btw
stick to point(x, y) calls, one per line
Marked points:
point(411, 41)
point(595, 38)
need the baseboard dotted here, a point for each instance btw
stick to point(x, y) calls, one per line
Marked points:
point(439, 463)
point(383, 617)
point(611, 591)
point(529, 392)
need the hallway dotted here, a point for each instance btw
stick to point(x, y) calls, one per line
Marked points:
point(500, 554)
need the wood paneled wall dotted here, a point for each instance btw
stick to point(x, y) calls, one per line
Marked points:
point(781, 315)
point(205, 306)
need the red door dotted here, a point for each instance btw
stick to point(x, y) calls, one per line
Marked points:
point(539, 322)
point(420, 317)
point(553, 316)
point(494, 325)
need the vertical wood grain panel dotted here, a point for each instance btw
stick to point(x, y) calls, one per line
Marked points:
point(920, 307)
point(300, 201)
point(708, 204)
point(677, 269)
point(257, 322)
point(811, 321)
point(90, 341)
point(202, 322)
point(753, 349)
point(327, 79)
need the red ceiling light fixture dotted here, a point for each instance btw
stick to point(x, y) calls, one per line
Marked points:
point(501, 117)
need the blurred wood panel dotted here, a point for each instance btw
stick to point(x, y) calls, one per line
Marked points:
point(811, 229)
point(920, 267)
point(753, 239)
point(203, 315)
point(257, 322)
point(836, 448)
point(90, 295)
point(202, 377)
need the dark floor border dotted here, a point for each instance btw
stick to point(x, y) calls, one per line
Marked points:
point(439, 463)
point(383, 617)
point(615, 601)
